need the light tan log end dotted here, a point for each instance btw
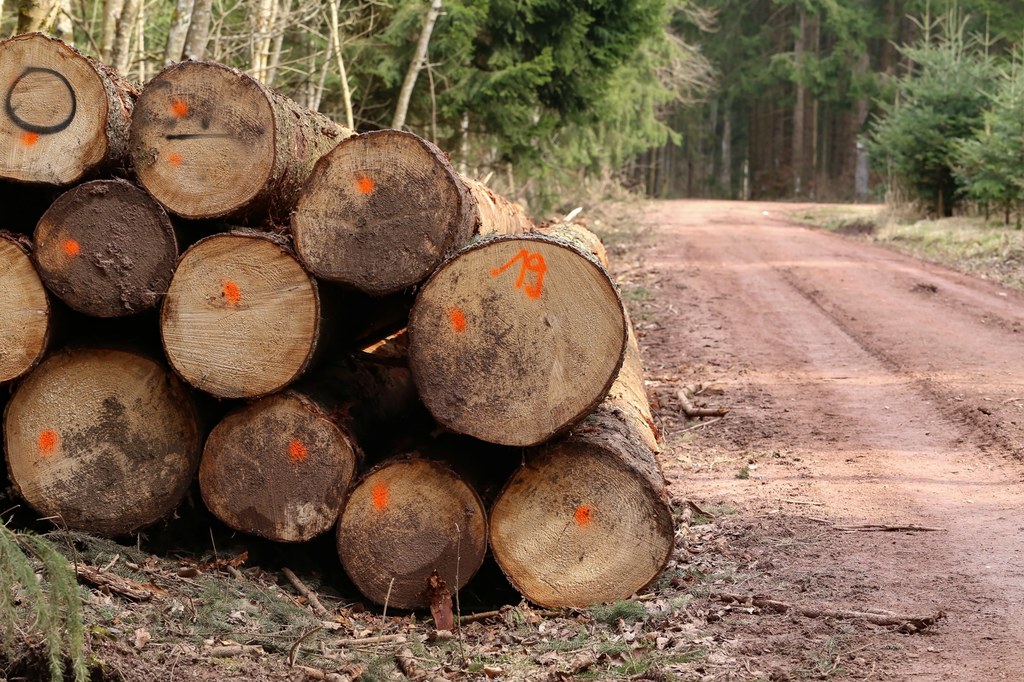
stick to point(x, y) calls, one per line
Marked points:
point(24, 311)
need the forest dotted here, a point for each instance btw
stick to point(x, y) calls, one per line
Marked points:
point(808, 99)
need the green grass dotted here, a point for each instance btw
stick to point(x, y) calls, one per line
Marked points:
point(625, 610)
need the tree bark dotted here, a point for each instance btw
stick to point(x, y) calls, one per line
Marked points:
point(37, 15)
point(101, 440)
point(111, 15)
point(198, 30)
point(382, 210)
point(279, 468)
point(404, 520)
point(24, 310)
point(586, 519)
point(121, 56)
point(106, 248)
point(516, 338)
point(180, 23)
point(208, 141)
point(66, 116)
point(241, 318)
point(405, 94)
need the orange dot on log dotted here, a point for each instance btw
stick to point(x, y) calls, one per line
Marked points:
point(179, 108)
point(175, 159)
point(47, 442)
point(231, 292)
point(458, 319)
point(380, 494)
point(582, 514)
point(29, 138)
point(365, 184)
point(71, 247)
point(297, 451)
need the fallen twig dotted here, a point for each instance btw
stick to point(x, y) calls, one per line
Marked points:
point(883, 528)
point(379, 639)
point(112, 582)
point(311, 598)
point(690, 411)
point(906, 623)
point(697, 510)
point(410, 667)
point(806, 502)
point(295, 647)
point(702, 425)
point(232, 650)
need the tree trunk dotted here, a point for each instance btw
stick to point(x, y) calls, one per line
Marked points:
point(101, 440)
point(404, 520)
point(106, 249)
point(24, 310)
point(586, 519)
point(382, 210)
point(208, 141)
point(241, 318)
point(516, 338)
point(37, 15)
point(122, 55)
point(279, 468)
point(799, 108)
point(180, 23)
point(198, 30)
point(111, 15)
point(66, 117)
point(418, 59)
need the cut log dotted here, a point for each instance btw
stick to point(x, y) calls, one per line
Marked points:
point(64, 117)
point(209, 141)
point(278, 468)
point(24, 310)
point(241, 318)
point(516, 338)
point(382, 210)
point(404, 520)
point(101, 440)
point(106, 249)
point(586, 519)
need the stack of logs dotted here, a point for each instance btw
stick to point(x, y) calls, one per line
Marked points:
point(391, 349)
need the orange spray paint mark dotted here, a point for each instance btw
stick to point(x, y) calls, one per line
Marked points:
point(458, 319)
point(297, 451)
point(179, 109)
point(365, 184)
point(231, 292)
point(28, 138)
point(71, 247)
point(582, 514)
point(381, 495)
point(533, 263)
point(175, 159)
point(47, 442)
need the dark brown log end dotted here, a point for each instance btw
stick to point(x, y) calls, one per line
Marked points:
point(100, 440)
point(278, 468)
point(577, 526)
point(24, 311)
point(56, 123)
point(404, 520)
point(515, 339)
point(381, 211)
point(106, 249)
point(241, 318)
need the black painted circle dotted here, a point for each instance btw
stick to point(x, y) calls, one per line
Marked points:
point(32, 127)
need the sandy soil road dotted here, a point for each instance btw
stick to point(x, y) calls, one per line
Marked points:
point(865, 387)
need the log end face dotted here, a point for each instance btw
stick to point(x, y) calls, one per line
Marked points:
point(576, 527)
point(106, 249)
point(405, 520)
point(514, 340)
point(24, 312)
point(203, 140)
point(241, 318)
point(380, 212)
point(105, 440)
point(53, 112)
point(277, 469)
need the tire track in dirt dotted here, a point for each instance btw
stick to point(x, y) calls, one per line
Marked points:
point(857, 363)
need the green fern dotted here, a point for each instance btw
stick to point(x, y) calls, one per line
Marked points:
point(54, 613)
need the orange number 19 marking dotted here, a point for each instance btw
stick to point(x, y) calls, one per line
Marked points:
point(532, 263)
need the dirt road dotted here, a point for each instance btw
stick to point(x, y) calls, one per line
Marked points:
point(865, 387)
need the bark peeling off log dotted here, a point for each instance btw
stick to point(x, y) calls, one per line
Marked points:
point(24, 310)
point(404, 520)
point(106, 249)
point(241, 318)
point(278, 468)
point(209, 141)
point(101, 440)
point(516, 338)
point(63, 117)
